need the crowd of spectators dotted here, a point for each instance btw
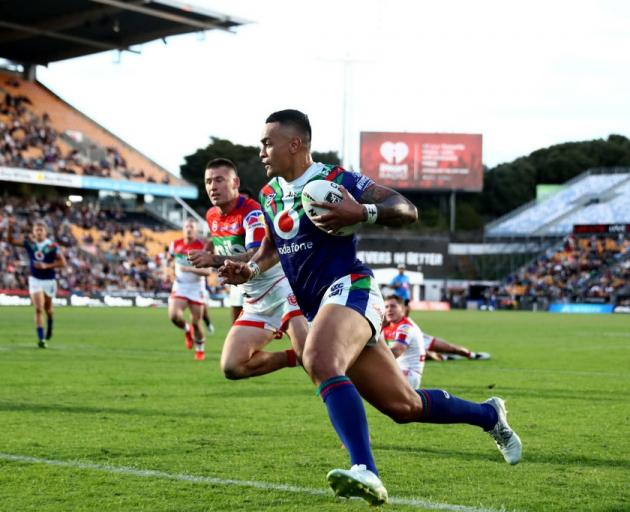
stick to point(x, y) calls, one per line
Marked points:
point(593, 269)
point(28, 141)
point(124, 266)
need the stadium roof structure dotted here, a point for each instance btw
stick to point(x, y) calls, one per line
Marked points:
point(43, 31)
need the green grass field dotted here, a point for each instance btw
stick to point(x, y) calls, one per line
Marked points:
point(116, 415)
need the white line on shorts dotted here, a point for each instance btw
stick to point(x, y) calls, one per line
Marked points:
point(150, 473)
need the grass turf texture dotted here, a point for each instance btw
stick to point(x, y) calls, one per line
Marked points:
point(117, 388)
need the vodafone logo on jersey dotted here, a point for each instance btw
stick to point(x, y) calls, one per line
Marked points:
point(287, 224)
point(394, 154)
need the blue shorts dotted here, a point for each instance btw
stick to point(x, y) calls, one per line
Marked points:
point(361, 293)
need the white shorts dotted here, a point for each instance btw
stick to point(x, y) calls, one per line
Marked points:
point(236, 296)
point(271, 310)
point(413, 378)
point(361, 293)
point(192, 293)
point(48, 286)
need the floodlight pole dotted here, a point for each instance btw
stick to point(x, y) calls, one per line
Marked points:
point(452, 212)
point(344, 113)
point(346, 106)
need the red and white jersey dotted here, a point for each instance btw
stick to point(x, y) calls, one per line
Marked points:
point(236, 233)
point(179, 251)
point(407, 332)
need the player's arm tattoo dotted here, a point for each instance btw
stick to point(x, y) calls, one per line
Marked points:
point(393, 209)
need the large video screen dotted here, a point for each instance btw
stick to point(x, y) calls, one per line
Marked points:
point(440, 161)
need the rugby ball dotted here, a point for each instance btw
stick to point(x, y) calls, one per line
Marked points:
point(324, 191)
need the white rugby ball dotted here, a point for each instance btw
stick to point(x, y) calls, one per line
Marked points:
point(324, 191)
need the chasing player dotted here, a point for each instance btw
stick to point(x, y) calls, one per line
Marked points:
point(340, 297)
point(188, 290)
point(45, 258)
point(269, 306)
point(405, 340)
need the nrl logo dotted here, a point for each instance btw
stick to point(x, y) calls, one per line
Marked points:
point(332, 198)
point(270, 198)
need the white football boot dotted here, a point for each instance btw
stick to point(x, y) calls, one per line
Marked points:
point(508, 442)
point(359, 482)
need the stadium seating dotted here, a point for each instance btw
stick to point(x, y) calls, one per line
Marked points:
point(616, 209)
point(589, 269)
point(573, 204)
point(38, 130)
point(105, 251)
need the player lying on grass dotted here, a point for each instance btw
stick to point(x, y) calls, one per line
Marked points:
point(269, 305)
point(438, 349)
point(189, 289)
point(339, 296)
point(411, 346)
point(45, 258)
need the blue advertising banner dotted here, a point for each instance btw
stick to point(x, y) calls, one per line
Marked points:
point(138, 187)
point(557, 307)
point(38, 177)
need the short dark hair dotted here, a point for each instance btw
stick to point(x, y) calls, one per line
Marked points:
point(295, 119)
point(221, 162)
point(397, 298)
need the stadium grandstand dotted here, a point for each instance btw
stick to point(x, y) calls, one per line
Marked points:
point(590, 266)
point(112, 208)
point(597, 195)
point(588, 260)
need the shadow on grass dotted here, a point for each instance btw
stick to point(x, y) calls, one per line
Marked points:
point(84, 409)
point(529, 457)
point(512, 394)
point(211, 412)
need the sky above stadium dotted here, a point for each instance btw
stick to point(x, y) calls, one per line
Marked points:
point(524, 74)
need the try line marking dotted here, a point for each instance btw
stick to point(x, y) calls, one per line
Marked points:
point(208, 480)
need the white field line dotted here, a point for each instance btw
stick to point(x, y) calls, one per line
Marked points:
point(208, 480)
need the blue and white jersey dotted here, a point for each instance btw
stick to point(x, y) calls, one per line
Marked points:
point(312, 259)
point(41, 252)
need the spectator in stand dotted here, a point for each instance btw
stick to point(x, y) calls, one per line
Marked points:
point(107, 264)
point(29, 141)
point(584, 269)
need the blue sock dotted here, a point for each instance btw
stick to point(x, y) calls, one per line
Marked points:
point(49, 327)
point(440, 407)
point(40, 333)
point(347, 414)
